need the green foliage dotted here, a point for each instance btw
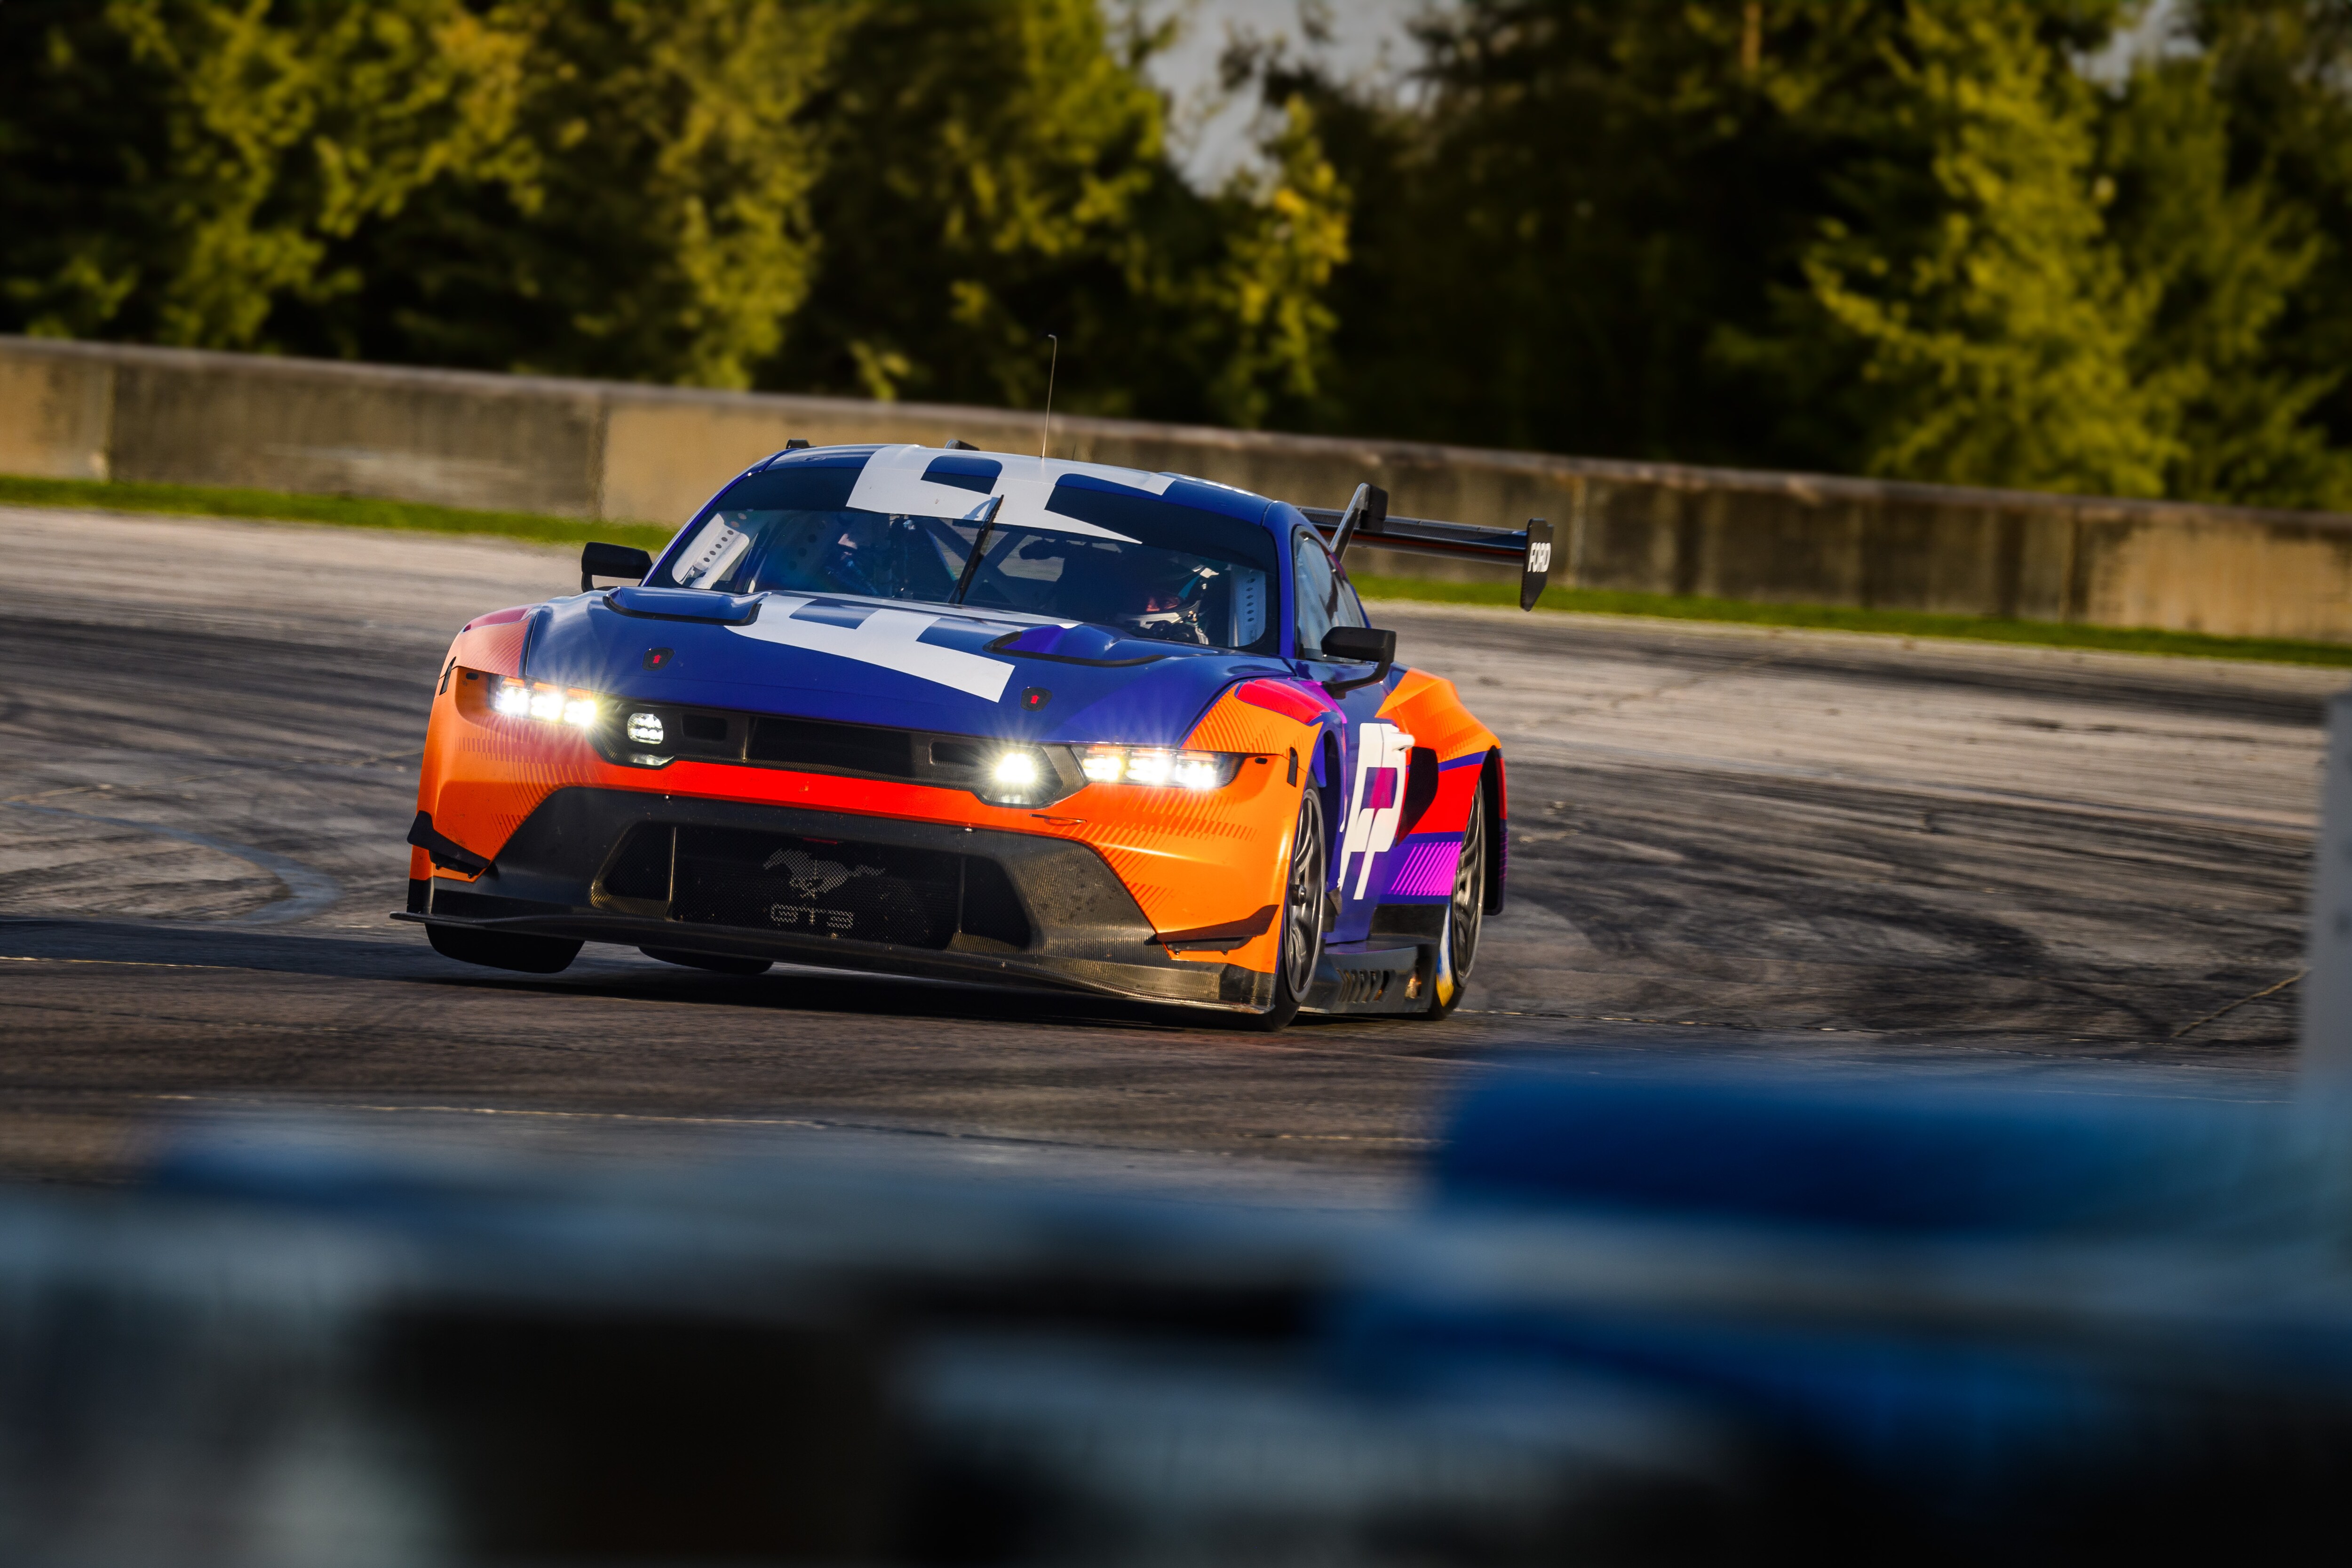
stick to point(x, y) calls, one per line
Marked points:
point(988, 162)
point(1284, 233)
point(173, 168)
point(1904, 238)
point(2228, 259)
point(997, 171)
point(896, 197)
point(1907, 237)
point(1986, 320)
point(651, 222)
point(2282, 73)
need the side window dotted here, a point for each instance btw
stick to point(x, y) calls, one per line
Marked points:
point(1325, 597)
point(1350, 610)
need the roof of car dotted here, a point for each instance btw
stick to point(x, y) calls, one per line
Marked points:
point(943, 480)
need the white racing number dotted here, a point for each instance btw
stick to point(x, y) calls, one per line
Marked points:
point(887, 639)
point(1375, 799)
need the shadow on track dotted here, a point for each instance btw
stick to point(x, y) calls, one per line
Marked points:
point(783, 988)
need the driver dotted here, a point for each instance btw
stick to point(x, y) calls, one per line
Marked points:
point(1148, 593)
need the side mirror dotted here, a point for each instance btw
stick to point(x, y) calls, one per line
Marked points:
point(1359, 645)
point(613, 561)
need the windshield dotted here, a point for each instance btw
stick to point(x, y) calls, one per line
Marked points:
point(1133, 562)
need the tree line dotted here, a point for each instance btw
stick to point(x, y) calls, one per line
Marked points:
point(1916, 238)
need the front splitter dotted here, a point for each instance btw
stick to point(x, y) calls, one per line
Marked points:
point(1225, 986)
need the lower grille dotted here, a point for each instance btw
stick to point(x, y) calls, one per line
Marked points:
point(863, 891)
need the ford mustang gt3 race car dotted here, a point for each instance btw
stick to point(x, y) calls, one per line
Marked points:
point(952, 712)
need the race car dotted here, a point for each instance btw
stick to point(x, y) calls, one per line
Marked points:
point(941, 712)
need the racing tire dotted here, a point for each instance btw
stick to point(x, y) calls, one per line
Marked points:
point(716, 963)
point(1465, 915)
point(504, 949)
point(1302, 919)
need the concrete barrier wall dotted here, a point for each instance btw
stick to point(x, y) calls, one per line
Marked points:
point(654, 454)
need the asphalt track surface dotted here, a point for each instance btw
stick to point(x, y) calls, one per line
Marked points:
point(1803, 849)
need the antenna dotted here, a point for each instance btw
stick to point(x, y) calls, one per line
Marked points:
point(1051, 366)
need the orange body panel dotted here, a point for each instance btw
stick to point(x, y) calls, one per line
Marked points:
point(1190, 861)
point(493, 643)
point(1431, 710)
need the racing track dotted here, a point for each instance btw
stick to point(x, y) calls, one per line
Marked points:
point(1804, 847)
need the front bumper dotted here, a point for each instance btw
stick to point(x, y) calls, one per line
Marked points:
point(813, 886)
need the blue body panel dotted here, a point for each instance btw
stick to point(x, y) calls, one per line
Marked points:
point(584, 641)
point(951, 669)
point(827, 657)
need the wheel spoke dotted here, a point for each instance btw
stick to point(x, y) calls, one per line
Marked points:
point(1303, 922)
point(1469, 895)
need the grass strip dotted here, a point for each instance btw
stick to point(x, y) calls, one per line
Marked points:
point(350, 511)
point(345, 511)
point(1889, 623)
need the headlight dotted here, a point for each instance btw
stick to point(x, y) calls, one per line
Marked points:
point(549, 704)
point(1158, 766)
point(1016, 776)
point(645, 729)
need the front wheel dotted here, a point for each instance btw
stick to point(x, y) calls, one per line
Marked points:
point(1303, 906)
point(1466, 912)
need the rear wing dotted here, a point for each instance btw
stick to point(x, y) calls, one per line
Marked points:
point(1366, 520)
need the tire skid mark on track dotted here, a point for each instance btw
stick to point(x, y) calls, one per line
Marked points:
point(229, 768)
point(1593, 754)
point(1970, 860)
point(307, 892)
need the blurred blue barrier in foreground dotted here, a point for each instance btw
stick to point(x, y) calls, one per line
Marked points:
point(1642, 1319)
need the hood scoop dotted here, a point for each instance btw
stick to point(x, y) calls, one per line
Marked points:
point(1078, 645)
point(684, 604)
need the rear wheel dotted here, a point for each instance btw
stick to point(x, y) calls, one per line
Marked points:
point(716, 963)
point(1466, 914)
point(504, 949)
point(1302, 917)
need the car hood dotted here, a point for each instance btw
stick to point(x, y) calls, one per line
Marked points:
point(864, 661)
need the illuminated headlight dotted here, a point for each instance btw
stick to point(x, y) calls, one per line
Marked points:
point(1017, 776)
point(549, 704)
point(646, 728)
point(1158, 767)
point(1195, 771)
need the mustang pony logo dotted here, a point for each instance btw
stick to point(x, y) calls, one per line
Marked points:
point(812, 877)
